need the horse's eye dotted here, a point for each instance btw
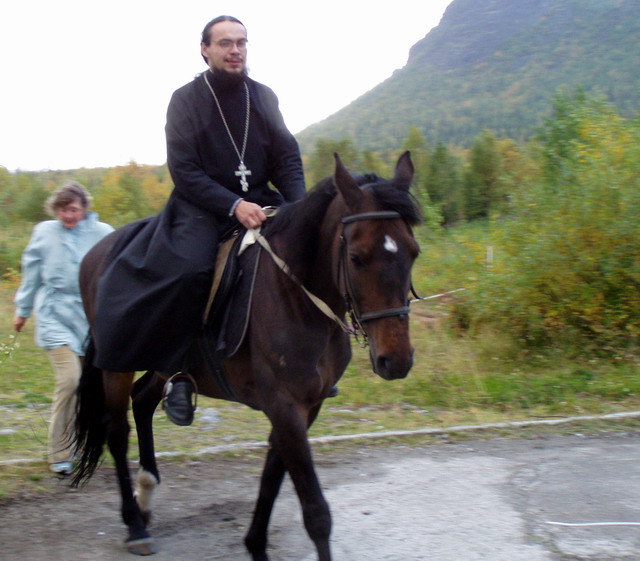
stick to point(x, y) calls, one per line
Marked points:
point(356, 260)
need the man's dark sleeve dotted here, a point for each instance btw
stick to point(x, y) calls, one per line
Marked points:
point(285, 173)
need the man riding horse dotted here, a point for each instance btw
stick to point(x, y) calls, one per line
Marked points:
point(226, 141)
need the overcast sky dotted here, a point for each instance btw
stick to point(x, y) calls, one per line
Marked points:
point(86, 84)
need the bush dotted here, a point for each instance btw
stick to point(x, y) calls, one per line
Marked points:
point(569, 262)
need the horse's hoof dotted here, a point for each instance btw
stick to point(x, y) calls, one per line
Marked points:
point(143, 546)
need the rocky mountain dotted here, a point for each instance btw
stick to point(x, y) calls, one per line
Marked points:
point(496, 65)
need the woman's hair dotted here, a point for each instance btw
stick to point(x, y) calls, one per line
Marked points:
point(65, 195)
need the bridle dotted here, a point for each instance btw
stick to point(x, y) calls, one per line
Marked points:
point(358, 318)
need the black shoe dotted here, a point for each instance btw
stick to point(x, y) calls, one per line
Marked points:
point(178, 401)
point(334, 391)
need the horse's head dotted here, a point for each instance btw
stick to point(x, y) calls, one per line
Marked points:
point(376, 252)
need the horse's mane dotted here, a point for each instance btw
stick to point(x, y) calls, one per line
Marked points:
point(400, 200)
point(310, 210)
point(304, 214)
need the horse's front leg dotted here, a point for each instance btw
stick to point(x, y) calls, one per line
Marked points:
point(270, 483)
point(147, 394)
point(272, 476)
point(292, 445)
point(117, 386)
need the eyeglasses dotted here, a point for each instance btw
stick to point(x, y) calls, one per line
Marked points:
point(228, 43)
point(69, 209)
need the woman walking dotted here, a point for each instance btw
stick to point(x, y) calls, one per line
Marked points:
point(50, 266)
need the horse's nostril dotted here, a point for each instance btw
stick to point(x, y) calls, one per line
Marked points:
point(391, 368)
point(382, 363)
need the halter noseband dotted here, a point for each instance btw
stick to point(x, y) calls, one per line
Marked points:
point(358, 318)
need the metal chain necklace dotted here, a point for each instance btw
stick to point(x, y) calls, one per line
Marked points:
point(242, 169)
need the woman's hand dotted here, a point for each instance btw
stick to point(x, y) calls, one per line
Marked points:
point(18, 323)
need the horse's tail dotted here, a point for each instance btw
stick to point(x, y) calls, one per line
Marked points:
point(90, 426)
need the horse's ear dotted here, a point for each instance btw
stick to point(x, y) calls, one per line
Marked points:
point(346, 184)
point(404, 171)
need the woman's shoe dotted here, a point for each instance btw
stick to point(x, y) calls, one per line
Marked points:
point(61, 468)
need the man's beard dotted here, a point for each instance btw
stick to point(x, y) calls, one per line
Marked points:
point(228, 80)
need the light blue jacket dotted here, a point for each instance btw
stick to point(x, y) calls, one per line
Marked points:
point(50, 267)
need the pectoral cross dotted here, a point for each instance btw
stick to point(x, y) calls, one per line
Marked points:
point(242, 174)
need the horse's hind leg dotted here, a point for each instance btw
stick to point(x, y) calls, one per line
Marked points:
point(147, 393)
point(117, 393)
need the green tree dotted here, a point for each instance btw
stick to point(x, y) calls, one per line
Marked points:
point(482, 188)
point(519, 168)
point(7, 196)
point(419, 148)
point(560, 133)
point(372, 162)
point(322, 163)
point(121, 198)
point(444, 184)
point(30, 198)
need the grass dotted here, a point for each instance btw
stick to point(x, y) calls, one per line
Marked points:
point(457, 379)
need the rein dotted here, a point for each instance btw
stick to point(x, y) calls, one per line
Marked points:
point(320, 304)
point(357, 318)
point(418, 298)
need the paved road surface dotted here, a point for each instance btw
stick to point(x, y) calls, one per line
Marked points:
point(556, 498)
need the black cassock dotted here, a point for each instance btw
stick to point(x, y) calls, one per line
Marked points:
point(152, 294)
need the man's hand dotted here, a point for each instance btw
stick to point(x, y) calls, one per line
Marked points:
point(250, 215)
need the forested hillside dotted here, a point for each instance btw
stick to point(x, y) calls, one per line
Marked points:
point(495, 65)
point(553, 252)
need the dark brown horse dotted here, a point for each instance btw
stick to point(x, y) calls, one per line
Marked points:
point(349, 243)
